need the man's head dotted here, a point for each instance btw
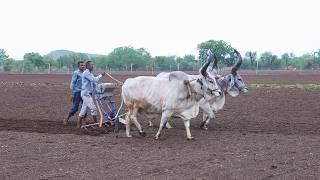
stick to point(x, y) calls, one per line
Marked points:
point(81, 65)
point(89, 65)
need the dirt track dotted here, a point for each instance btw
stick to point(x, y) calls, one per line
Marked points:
point(265, 134)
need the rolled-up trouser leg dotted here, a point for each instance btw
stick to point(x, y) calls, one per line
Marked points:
point(81, 101)
point(88, 103)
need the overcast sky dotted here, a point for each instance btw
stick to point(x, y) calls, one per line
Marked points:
point(162, 27)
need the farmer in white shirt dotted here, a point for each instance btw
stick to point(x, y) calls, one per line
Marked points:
point(89, 83)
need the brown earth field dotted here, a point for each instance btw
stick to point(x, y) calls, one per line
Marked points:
point(264, 134)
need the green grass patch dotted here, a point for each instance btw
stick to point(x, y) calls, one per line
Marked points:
point(287, 86)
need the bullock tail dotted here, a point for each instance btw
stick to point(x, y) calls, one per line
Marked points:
point(120, 106)
point(120, 83)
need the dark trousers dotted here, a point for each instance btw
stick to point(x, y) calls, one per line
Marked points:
point(75, 103)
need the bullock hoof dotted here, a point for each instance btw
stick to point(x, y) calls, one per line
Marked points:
point(190, 138)
point(204, 127)
point(150, 124)
point(129, 136)
point(143, 134)
point(157, 137)
point(168, 126)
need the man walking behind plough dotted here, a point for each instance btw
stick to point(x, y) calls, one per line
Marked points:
point(75, 86)
point(89, 83)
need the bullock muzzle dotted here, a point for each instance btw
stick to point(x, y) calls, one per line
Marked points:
point(245, 90)
point(215, 92)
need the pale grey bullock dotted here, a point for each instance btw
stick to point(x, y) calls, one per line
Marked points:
point(173, 96)
point(231, 84)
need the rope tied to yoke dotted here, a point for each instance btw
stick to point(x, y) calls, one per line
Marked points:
point(114, 78)
point(120, 83)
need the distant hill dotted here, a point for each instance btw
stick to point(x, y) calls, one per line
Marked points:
point(58, 53)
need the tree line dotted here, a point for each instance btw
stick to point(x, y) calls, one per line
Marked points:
point(128, 58)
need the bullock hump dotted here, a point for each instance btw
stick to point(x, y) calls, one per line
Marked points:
point(178, 75)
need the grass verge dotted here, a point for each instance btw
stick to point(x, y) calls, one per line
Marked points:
point(278, 86)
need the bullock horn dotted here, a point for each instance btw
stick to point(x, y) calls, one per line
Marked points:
point(215, 62)
point(237, 64)
point(203, 69)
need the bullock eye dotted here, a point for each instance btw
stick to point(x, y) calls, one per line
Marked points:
point(229, 80)
point(240, 79)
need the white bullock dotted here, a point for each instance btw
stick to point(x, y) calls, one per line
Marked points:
point(231, 84)
point(174, 96)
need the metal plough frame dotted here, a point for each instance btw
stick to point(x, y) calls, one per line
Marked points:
point(108, 112)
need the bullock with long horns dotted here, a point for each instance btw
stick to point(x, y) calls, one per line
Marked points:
point(173, 96)
point(230, 84)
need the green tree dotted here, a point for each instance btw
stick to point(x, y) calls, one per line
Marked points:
point(269, 60)
point(47, 60)
point(3, 55)
point(8, 64)
point(223, 51)
point(317, 58)
point(252, 56)
point(123, 57)
point(188, 63)
point(286, 58)
point(71, 61)
point(35, 59)
point(102, 62)
point(166, 62)
point(27, 66)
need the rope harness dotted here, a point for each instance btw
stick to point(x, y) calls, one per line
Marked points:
point(120, 83)
point(211, 91)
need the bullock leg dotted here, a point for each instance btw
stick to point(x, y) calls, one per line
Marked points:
point(135, 121)
point(150, 124)
point(164, 119)
point(205, 121)
point(168, 126)
point(187, 126)
point(211, 116)
point(128, 119)
point(207, 115)
point(128, 126)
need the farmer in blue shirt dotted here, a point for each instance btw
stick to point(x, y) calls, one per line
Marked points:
point(89, 83)
point(75, 86)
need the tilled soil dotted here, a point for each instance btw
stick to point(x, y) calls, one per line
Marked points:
point(264, 134)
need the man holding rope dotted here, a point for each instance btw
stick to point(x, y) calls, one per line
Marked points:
point(89, 83)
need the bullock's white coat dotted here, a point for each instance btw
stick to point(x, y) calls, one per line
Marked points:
point(160, 95)
point(168, 96)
